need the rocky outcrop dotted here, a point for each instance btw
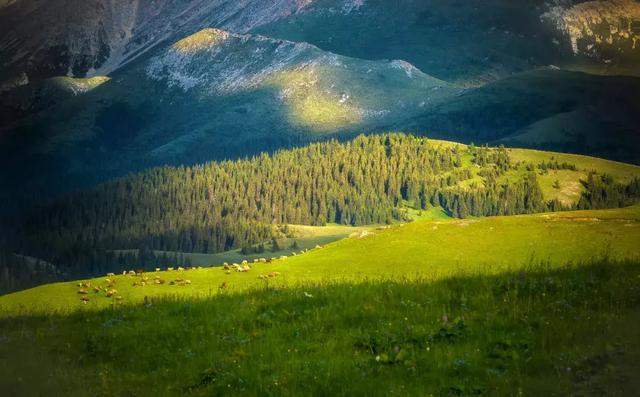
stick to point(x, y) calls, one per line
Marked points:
point(603, 29)
point(44, 38)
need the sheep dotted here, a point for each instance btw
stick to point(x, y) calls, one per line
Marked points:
point(96, 289)
point(157, 269)
point(180, 268)
point(84, 299)
point(124, 272)
point(244, 262)
point(82, 291)
point(263, 260)
point(318, 246)
point(159, 281)
point(169, 269)
point(283, 257)
point(111, 293)
point(187, 282)
point(226, 267)
point(131, 273)
point(255, 260)
point(110, 274)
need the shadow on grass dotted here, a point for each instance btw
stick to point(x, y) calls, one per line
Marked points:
point(542, 331)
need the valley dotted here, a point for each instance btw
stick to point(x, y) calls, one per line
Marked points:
point(319, 197)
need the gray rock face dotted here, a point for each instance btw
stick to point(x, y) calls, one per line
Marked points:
point(44, 38)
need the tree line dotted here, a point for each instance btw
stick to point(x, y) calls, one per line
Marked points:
point(231, 204)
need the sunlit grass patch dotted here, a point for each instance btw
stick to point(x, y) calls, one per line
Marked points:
point(201, 40)
point(311, 104)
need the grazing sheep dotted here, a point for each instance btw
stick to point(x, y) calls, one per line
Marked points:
point(111, 293)
point(318, 246)
point(82, 291)
point(157, 269)
point(263, 260)
point(110, 274)
point(180, 268)
point(226, 267)
point(283, 257)
point(187, 282)
point(169, 269)
point(124, 272)
point(84, 299)
point(159, 281)
point(96, 289)
point(244, 262)
point(255, 260)
point(131, 273)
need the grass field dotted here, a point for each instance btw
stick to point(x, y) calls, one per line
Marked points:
point(570, 186)
point(544, 304)
point(425, 250)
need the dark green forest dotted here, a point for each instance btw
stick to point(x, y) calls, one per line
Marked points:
point(223, 205)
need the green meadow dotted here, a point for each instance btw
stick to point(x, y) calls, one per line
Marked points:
point(544, 304)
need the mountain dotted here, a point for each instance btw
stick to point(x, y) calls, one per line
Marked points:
point(164, 86)
point(550, 109)
point(211, 95)
point(472, 42)
point(85, 38)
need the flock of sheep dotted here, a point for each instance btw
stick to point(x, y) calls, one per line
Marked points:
point(144, 279)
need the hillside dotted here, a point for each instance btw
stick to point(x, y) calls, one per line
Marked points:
point(222, 206)
point(474, 42)
point(421, 250)
point(484, 306)
point(546, 109)
point(213, 95)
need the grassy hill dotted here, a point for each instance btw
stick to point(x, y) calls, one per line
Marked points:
point(226, 211)
point(421, 250)
point(539, 304)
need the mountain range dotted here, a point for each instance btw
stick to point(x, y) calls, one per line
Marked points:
point(92, 90)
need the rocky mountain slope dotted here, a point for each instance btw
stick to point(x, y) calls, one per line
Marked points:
point(109, 87)
point(44, 38)
point(212, 95)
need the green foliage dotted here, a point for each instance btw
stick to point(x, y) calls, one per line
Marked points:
point(220, 206)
